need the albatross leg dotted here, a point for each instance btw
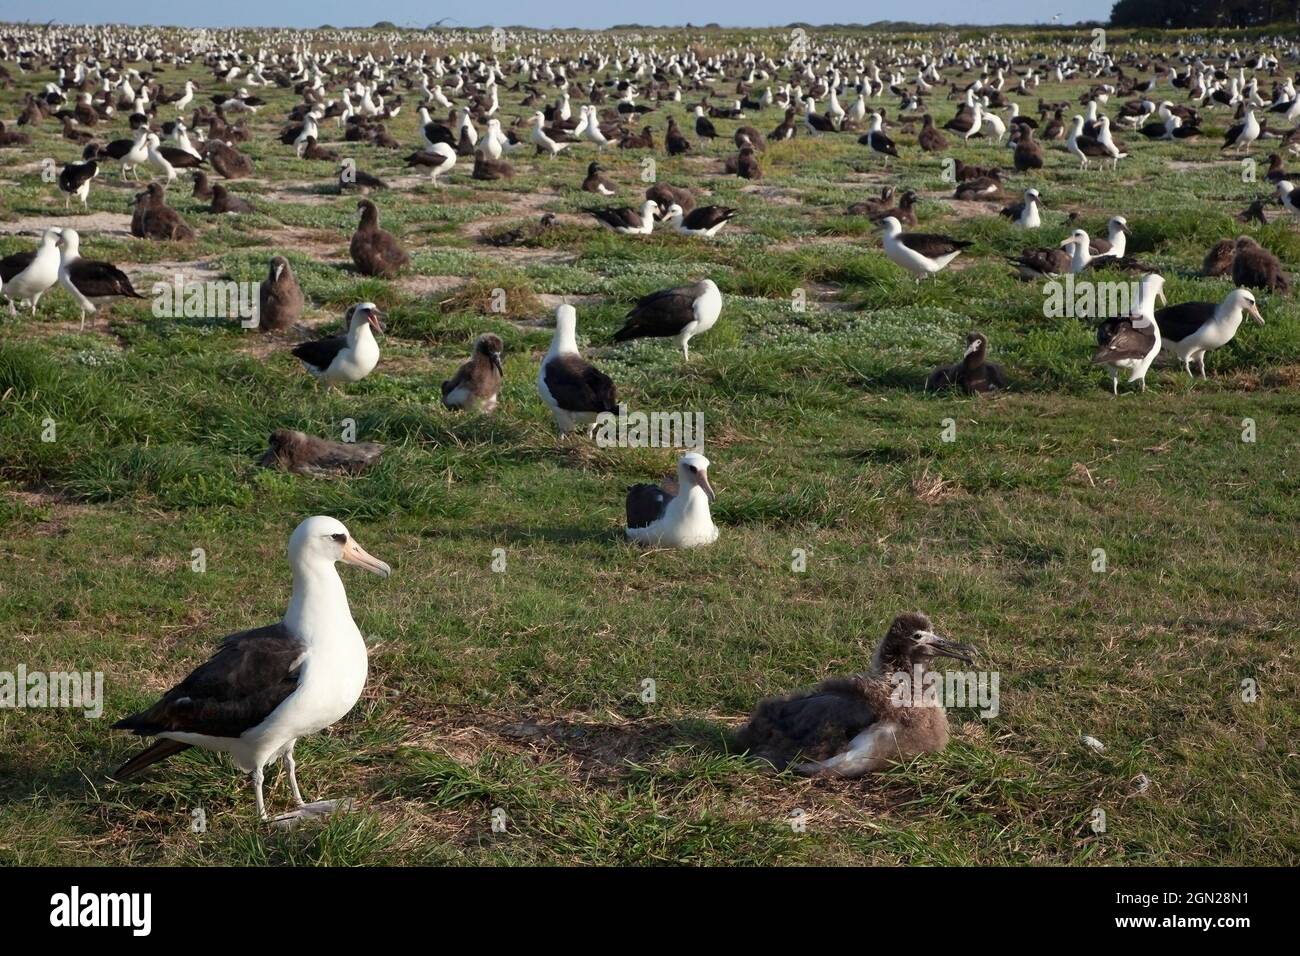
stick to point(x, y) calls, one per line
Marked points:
point(292, 768)
point(257, 790)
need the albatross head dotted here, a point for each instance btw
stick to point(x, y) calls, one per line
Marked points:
point(491, 346)
point(324, 540)
point(1237, 299)
point(70, 242)
point(976, 344)
point(364, 313)
point(1079, 239)
point(693, 469)
point(911, 641)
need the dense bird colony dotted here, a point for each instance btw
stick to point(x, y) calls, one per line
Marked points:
point(664, 372)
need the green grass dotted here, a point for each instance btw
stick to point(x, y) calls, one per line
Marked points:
point(520, 691)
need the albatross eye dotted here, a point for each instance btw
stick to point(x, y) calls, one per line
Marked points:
point(340, 538)
point(692, 469)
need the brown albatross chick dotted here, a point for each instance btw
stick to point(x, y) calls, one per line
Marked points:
point(488, 169)
point(202, 189)
point(375, 252)
point(1218, 261)
point(930, 139)
point(848, 726)
point(224, 201)
point(154, 219)
point(478, 381)
point(228, 161)
point(280, 300)
point(1255, 266)
point(305, 454)
point(973, 373)
point(744, 164)
point(665, 195)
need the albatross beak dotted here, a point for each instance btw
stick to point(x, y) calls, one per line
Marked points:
point(376, 322)
point(1253, 309)
point(703, 479)
point(495, 358)
point(353, 553)
point(943, 647)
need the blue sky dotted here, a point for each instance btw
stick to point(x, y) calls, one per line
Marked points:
point(311, 13)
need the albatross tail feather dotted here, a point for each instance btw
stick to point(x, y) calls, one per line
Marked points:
point(158, 750)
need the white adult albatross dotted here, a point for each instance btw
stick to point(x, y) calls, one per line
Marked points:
point(674, 518)
point(266, 688)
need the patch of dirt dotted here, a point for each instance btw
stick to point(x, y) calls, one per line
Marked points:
point(93, 224)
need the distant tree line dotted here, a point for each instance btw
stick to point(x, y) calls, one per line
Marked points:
point(1203, 13)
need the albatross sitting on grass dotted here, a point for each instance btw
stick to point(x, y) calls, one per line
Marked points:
point(848, 726)
point(674, 517)
point(349, 357)
point(266, 688)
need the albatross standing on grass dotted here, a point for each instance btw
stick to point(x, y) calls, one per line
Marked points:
point(266, 688)
point(89, 279)
point(848, 726)
point(573, 389)
point(918, 252)
point(1190, 330)
point(676, 518)
point(1132, 342)
point(684, 312)
point(26, 276)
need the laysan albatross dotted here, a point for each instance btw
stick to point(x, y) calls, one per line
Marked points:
point(849, 726)
point(573, 389)
point(266, 688)
point(683, 312)
point(674, 517)
point(349, 357)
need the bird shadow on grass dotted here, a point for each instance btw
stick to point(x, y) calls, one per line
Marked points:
point(605, 747)
point(522, 534)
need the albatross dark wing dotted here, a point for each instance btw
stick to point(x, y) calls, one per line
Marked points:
point(815, 724)
point(930, 245)
point(15, 263)
point(1117, 339)
point(249, 677)
point(620, 218)
point(93, 279)
point(659, 314)
point(578, 386)
point(320, 353)
point(1179, 321)
point(646, 505)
